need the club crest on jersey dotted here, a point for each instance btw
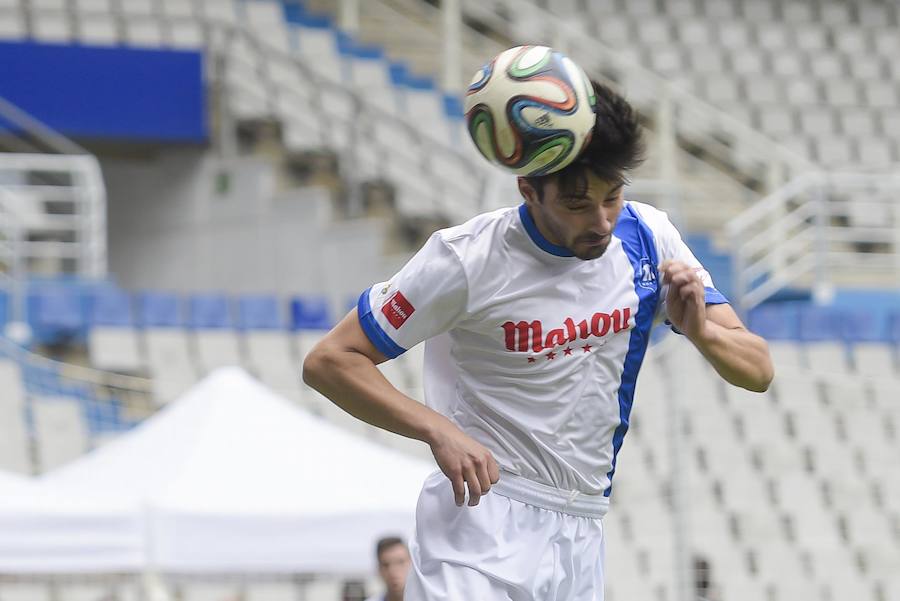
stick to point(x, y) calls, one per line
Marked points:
point(648, 274)
point(397, 310)
point(526, 336)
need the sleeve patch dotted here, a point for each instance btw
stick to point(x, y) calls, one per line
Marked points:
point(397, 310)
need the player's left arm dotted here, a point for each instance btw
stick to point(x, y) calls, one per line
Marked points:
point(738, 355)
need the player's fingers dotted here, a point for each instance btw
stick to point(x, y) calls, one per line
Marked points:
point(484, 479)
point(688, 290)
point(493, 470)
point(672, 269)
point(474, 486)
point(459, 488)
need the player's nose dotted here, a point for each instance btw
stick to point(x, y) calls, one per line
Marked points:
point(600, 221)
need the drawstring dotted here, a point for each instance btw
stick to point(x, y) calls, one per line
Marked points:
point(572, 496)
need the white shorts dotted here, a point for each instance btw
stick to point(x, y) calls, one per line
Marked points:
point(505, 549)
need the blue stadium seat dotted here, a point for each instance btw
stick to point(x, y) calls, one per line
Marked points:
point(259, 313)
point(209, 311)
point(111, 307)
point(4, 310)
point(159, 310)
point(310, 313)
point(862, 326)
point(821, 323)
point(893, 330)
point(775, 321)
point(56, 313)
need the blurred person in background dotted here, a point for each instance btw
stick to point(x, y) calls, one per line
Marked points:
point(393, 566)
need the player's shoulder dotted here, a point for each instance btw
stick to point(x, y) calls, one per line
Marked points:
point(478, 226)
point(649, 214)
point(481, 230)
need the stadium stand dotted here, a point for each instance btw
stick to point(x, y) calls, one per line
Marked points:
point(791, 494)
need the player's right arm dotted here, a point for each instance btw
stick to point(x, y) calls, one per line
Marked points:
point(428, 296)
point(342, 366)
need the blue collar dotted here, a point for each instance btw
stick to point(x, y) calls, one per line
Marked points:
point(538, 238)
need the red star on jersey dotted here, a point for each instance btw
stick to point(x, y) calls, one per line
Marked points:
point(551, 356)
point(567, 351)
point(586, 348)
point(531, 359)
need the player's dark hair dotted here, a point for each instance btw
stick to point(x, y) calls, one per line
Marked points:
point(616, 147)
point(386, 543)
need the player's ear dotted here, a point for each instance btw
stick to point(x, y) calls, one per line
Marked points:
point(527, 191)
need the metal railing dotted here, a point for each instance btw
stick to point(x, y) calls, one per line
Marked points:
point(52, 206)
point(819, 230)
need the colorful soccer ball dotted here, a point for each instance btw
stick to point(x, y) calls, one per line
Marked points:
point(530, 110)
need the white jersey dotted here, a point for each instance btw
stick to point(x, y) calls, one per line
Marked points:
point(542, 349)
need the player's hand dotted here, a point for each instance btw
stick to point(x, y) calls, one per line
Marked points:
point(465, 462)
point(685, 299)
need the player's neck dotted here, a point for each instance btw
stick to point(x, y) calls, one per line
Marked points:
point(542, 227)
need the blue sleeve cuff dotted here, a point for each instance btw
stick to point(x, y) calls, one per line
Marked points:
point(376, 335)
point(714, 297)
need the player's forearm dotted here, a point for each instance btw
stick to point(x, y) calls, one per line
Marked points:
point(353, 383)
point(740, 357)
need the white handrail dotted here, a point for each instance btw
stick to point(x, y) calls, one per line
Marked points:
point(799, 235)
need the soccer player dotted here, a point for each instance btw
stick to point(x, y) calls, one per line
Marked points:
point(538, 318)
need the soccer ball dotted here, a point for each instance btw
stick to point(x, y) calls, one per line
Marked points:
point(530, 110)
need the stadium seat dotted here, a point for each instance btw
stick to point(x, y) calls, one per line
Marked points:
point(822, 329)
point(55, 312)
point(59, 429)
point(215, 341)
point(143, 32)
point(113, 343)
point(97, 30)
point(270, 591)
point(25, 591)
point(267, 344)
point(166, 344)
point(137, 7)
point(14, 439)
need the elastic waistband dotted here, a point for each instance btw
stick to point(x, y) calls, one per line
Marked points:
point(547, 497)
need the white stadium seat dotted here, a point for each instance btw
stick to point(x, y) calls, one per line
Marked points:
point(269, 356)
point(185, 35)
point(60, 432)
point(97, 30)
point(169, 361)
point(138, 7)
point(12, 24)
point(14, 455)
point(25, 591)
point(178, 8)
point(115, 349)
point(827, 357)
point(215, 348)
point(52, 27)
point(144, 32)
point(93, 6)
point(874, 359)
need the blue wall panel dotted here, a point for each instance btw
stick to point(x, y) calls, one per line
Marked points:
point(108, 93)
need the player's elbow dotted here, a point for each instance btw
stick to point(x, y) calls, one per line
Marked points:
point(316, 365)
point(763, 378)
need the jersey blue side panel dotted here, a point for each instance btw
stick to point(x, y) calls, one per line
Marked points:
point(373, 330)
point(640, 247)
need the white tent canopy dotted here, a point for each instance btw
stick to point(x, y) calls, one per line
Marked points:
point(231, 477)
point(48, 529)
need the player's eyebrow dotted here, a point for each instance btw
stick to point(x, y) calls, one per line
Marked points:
point(615, 191)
